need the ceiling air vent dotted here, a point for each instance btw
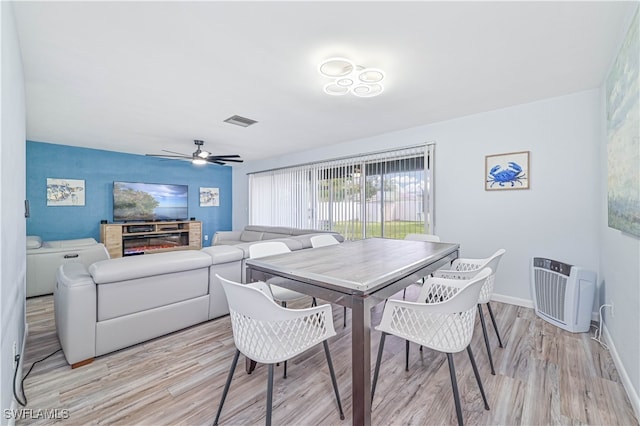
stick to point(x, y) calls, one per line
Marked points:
point(240, 121)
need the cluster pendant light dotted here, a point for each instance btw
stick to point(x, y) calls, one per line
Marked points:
point(347, 77)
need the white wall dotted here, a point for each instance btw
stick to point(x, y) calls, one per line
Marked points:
point(12, 195)
point(556, 218)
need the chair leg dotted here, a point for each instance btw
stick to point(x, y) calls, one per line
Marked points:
point(486, 339)
point(344, 316)
point(226, 386)
point(377, 370)
point(475, 372)
point(454, 385)
point(314, 302)
point(495, 326)
point(404, 293)
point(284, 375)
point(406, 356)
point(269, 395)
point(333, 378)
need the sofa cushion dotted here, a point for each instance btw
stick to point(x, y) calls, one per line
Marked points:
point(273, 235)
point(71, 244)
point(117, 299)
point(283, 230)
point(223, 254)
point(248, 236)
point(33, 242)
point(132, 267)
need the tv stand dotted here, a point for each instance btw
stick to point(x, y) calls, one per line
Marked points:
point(133, 238)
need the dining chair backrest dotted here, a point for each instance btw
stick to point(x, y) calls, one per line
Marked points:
point(467, 265)
point(430, 238)
point(323, 240)
point(446, 325)
point(268, 333)
point(267, 248)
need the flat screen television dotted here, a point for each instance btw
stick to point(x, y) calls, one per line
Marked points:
point(137, 201)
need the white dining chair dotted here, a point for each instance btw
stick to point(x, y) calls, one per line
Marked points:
point(443, 322)
point(328, 240)
point(268, 333)
point(466, 268)
point(271, 248)
point(429, 238)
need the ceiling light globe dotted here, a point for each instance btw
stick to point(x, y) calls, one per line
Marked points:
point(371, 75)
point(336, 67)
point(367, 90)
point(334, 90)
point(199, 161)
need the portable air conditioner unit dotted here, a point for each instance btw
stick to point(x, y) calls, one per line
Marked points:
point(563, 294)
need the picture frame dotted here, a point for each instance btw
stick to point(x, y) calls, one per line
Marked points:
point(65, 192)
point(209, 197)
point(507, 171)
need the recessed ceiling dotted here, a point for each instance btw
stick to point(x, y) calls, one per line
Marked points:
point(139, 77)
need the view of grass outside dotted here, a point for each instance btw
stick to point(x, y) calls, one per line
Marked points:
point(352, 230)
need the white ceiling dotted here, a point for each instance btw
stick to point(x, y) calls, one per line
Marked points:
point(145, 76)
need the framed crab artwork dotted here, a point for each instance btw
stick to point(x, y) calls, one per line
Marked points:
point(506, 171)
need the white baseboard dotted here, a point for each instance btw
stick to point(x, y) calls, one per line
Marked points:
point(632, 393)
point(512, 300)
point(527, 303)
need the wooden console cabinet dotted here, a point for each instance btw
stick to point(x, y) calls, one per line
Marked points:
point(126, 239)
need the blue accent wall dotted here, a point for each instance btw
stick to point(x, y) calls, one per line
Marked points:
point(99, 169)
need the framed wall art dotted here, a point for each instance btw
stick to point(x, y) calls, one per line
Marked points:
point(507, 171)
point(623, 143)
point(209, 197)
point(65, 192)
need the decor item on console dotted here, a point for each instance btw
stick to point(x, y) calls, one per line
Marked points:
point(263, 232)
point(45, 257)
point(120, 302)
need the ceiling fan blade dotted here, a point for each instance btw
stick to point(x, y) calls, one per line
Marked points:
point(224, 156)
point(167, 156)
point(228, 160)
point(216, 162)
point(173, 152)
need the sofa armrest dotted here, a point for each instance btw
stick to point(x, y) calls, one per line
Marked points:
point(221, 236)
point(75, 312)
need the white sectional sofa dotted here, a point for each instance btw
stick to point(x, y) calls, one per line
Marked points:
point(45, 257)
point(120, 302)
point(252, 233)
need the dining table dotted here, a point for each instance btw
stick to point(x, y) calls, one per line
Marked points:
point(357, 274)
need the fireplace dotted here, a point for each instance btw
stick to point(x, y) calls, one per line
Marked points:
point(140, 244)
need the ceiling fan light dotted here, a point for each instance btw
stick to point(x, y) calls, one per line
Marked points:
point(203, 154)
point(371, 75)
point(199, 161)
point(335, 90)
point(336, 67)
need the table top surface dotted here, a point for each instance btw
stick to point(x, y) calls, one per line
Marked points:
point(361, 265)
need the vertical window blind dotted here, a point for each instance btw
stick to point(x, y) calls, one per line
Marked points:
point(385, 194)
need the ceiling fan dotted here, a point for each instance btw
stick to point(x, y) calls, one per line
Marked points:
point(201, 156)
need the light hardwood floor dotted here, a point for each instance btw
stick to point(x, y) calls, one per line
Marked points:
point(544, 376)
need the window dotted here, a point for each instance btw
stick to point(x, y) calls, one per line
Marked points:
point(387, 194)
